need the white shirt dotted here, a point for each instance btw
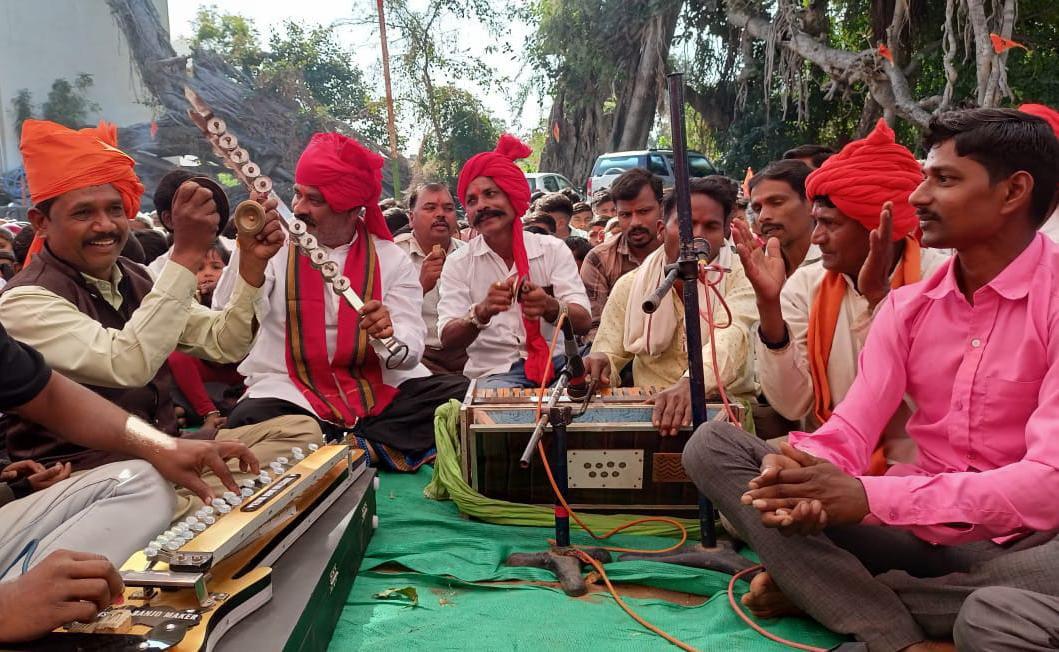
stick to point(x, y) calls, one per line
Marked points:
point(1050, 227)
point(784, 373)
point(265, 367)
point(158, 264)
point(410, 245)
point(465, 281)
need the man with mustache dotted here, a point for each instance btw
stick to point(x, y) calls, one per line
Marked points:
point(814, 324)
point(655, 344)
point(97, 319)
point(504, 293)
point(429, 245)
point(638, 196)
point(316, 356)
point(777, 199)
point(891, 558)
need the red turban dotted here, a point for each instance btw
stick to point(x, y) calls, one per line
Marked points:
point(348, 174)
point(868, 173)
point(499, 165)
point(1050, 115)
point(58, 159)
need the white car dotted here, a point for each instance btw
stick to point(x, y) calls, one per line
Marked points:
point(547, 181)
point(657, 161)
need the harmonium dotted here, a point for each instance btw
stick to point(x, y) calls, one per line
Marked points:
point(616, 460)
point(268, 568)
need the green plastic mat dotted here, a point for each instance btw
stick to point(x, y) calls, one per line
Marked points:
point(428, 546)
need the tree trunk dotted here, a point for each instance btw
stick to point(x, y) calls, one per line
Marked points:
point(638, 100)
point(582, 130)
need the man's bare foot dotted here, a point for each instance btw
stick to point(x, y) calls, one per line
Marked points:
point(931, 646)
point(766, 600)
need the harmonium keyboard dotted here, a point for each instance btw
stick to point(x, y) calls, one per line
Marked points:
point(314, 511)
point(616, 460)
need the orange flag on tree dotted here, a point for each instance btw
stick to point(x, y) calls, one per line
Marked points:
point(1002, 45)
point(886, 53)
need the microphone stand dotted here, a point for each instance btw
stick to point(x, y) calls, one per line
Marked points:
point(558, 559)
point(709, 552)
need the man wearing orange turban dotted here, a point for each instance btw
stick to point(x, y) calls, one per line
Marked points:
point(97, 318)
point(503, 293)
point(813, 327)
point(314, 354)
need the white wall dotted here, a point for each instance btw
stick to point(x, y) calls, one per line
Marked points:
point(42, 40)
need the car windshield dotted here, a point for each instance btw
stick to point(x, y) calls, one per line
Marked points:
point(698, 165)
point(617, 163)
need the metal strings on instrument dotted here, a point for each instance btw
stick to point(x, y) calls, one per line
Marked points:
point(249, 216)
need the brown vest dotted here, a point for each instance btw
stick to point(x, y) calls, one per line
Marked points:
point(152, 403)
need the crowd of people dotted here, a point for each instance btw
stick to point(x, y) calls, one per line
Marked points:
point(888, 326)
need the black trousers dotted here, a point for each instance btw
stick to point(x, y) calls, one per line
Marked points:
point(406, 424)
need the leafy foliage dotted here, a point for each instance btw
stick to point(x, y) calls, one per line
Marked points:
point(67, 103)
point(306, 63)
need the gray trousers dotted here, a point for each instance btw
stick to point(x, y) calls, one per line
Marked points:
point(112, 510)
point(883, 585)
point(1002, 618)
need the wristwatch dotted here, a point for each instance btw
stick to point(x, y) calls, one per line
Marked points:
point(473, 318)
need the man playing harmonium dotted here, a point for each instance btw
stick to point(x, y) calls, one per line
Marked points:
point(317, 356)
point(891, 558)
point(814, 324)
point(502, 294)
point(95, 316)
point(655, 343)
point(59, 544)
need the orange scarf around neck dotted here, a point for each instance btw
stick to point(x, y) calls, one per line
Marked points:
point(823, 320)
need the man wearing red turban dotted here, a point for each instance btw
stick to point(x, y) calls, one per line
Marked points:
point(314, 354)
point(504, 293)
point(1050, 227)
point(97, 317)
point(812, 331)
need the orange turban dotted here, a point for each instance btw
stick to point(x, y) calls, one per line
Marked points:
point(348, 174)
point(868, 173)
point(1050, 115)
point(58, 159)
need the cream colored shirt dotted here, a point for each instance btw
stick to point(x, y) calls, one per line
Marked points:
point(408, 243)
point(168, 319)
point(784, 373)
point(733, 345)
point(465, 281)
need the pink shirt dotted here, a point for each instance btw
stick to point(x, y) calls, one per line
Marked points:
point(985, 380)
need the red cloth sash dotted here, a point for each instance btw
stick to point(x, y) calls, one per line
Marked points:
point(350, 386)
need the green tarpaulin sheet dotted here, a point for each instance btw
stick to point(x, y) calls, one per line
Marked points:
point(448, 559)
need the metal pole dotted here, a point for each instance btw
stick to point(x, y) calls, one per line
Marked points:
point(559, 417)
point(391, 121)
point(689, 274)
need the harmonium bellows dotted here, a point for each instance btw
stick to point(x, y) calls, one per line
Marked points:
point(616, 460)
point(196, 582)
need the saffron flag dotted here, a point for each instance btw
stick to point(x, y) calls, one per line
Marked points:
point(886, 53)
point(1002, 45)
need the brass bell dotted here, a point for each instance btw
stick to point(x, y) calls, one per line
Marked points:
point(249, 217)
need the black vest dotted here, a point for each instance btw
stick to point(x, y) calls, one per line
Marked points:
point(152, 402)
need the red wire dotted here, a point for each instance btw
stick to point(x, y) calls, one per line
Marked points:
point(758, 628)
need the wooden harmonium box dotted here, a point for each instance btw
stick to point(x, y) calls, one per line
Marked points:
point(616, 460)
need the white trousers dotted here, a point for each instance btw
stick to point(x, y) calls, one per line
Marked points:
point(112, 510)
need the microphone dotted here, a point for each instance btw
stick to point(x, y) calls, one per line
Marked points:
point(700, 248)
point(577, 388)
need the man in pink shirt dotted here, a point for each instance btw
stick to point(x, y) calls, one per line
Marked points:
point(890, 559)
